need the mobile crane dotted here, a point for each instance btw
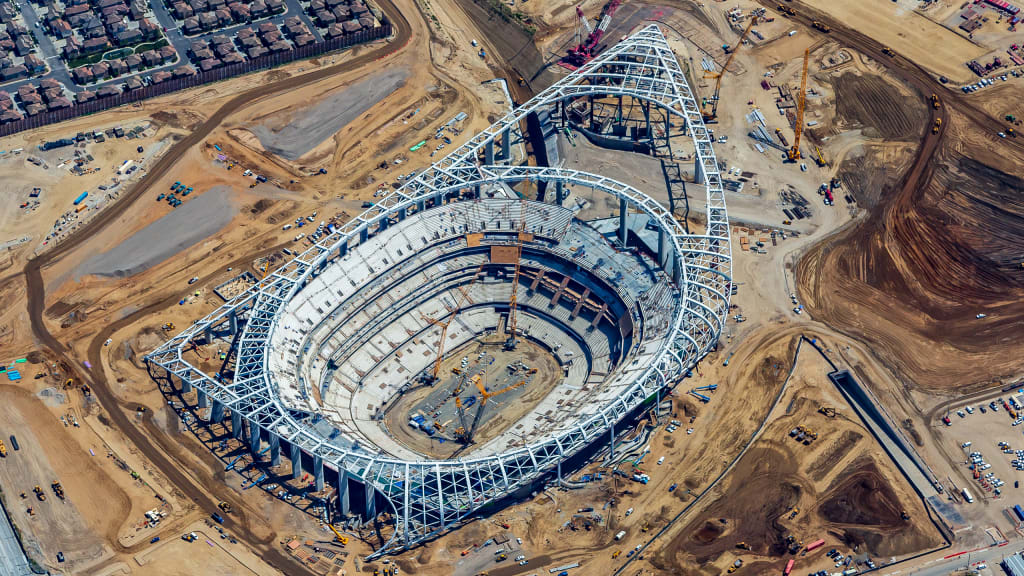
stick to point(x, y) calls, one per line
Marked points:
point(342, 539)
point(711, 106)
point(794, 153)
point(510, 344)
point(444, 325)
point(467, 437)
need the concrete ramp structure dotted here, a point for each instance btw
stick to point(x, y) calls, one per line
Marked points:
point(307, 341)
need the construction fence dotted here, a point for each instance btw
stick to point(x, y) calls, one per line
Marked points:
point(197, 79)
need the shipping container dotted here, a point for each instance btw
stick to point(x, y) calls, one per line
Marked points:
point(815, 545)
point(1019, 511)
point(789, 568)
point(80, 198)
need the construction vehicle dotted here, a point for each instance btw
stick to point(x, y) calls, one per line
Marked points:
point(904, 515)
point(821, 26)
point(3, 449)
point(338, 536)
point(794, 153)
point(743, 546)
point(827, 411)
point(467, 436)
point(58, 489)
point(1011, 132)
point(888, 52)
point(168, 326)
point(190, 537)
point(445, 324)
point(786, 10)
point(935, 101)
point(225, 506)
point(710, 111)
point(819, 158)
point(937, 125)
point(735, 566)
point(782, 137)
point(31, 511)
point(587, 47)
point(793, 512)
point(616, 554)
point(39, 493)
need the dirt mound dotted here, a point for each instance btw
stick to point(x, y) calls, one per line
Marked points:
point(862, 498)
point(879, 107)
point(763, 490)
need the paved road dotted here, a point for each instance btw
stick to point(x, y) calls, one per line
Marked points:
point(12, 558)
point(181, 43)
point(941, 564)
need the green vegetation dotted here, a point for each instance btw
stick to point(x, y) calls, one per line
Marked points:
point(502, 10)
point(151, 46)
point(84, 60)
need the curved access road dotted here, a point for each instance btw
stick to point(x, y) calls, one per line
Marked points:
point(155, 445)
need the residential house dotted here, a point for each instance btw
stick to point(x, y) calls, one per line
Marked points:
point(255, 52)
point(149, 28)
point(117, 67)
point(59, 103)
point(82, 75)
point(209, 64)
point(11, 116)
point(14, 72)
point(95, 45)
point(129, 37)
point(161, 76)
point(280, 46)
point(100, 70)
point(133, 61)
point(108, 91)
point(85, 96)
point(35, 108)
point(34, 64)
point(151, 58)
point(133, 83)
point(304, 40)
point(167, 54)
point(233, 58)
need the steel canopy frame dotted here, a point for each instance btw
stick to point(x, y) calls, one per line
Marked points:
point(428, 497)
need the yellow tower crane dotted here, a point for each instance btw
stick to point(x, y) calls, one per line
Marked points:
point(445, 323)
point(711, 106)
point(510, 344)
point(794, 153)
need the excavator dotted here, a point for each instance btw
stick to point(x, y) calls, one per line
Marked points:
point(794, 153)
point(338, 536)
point(828, 411)
point(444, 324)
point(710, 111)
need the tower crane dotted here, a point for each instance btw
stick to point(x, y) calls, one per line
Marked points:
point(711, 107)
point(445, 323)
point(510, 344)
point(794, 153)
point(467, 437)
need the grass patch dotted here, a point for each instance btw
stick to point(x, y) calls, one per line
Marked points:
point(84, 60)
point(151, 46)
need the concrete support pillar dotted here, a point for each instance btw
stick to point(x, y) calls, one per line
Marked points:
point(363, 235)
point(698, 170)
point(275, 449)
point(668, 135)
point(559, 470)
point(254, 437)
point(233, 321)
point(611, 443)
point(204, 400)
point(559, 192)
point(421, 205)
point(186, 386)
point(208, 334)
point(371, 507)
point(342, 249)
point(623, 230)
point(296, 458)
point(438, 199)
point(476, 191)
point(343, 505)
point(506, 144)
point(401, 214)
point(382, 224)
point(676, 270)
point(236, 424)
point(661, 247)
point(489, 152)
point(217, 412)
point(318, 473)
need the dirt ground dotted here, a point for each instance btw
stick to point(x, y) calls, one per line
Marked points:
point(892, 281)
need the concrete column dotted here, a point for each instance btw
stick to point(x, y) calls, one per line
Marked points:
point(559, 192)
point(217, 412)
point(343, 249)
point(236, 424)
point(421, 205)
point(559, 471)
point(233, 320)
point(296, 458)
point(208, 333)
point(623, 230)
point(489, 152)
point(676, 270)
point(401, 214)
point(204, 400)
point(343, 505)
point(438, 199)
point(371, 508)
point(611, 444)
point(254, 437)
point(382, 224)
point(668, 136)
point(318, 473)
point(698, 170)
point(363, 235)
point(661, 247)
point(506, 144)
point(275, 449)
point(186, 386)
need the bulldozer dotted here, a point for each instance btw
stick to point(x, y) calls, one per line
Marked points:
point(168, 326)
point(827, 411)
point(793, 512)
point(224, 506)
point(889, 52)
point(743, 546)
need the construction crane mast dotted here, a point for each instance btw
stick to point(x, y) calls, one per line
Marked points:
point(510, 343)
point(794, 153)
point(484, 395)
point(444, 324)
point(711, 107)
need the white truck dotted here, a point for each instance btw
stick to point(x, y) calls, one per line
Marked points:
point(620, 535)
point(967, 496)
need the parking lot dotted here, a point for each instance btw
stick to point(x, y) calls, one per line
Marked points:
point(991, 439)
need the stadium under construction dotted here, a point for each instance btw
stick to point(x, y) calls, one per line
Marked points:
point(481, 249)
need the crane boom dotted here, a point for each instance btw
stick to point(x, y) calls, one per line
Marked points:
point(510, 344)
point(712, 113)
point(444, 325)
point(794, 153)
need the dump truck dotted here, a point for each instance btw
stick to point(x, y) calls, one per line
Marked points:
point(888, 52)
point(821, 26)
point(786, 10)
point(937, 125)
point(58, 489)
point(3, 449)
point(935, 101)
point(39, 493)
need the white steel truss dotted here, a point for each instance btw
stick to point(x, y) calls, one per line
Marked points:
point(428, 497)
